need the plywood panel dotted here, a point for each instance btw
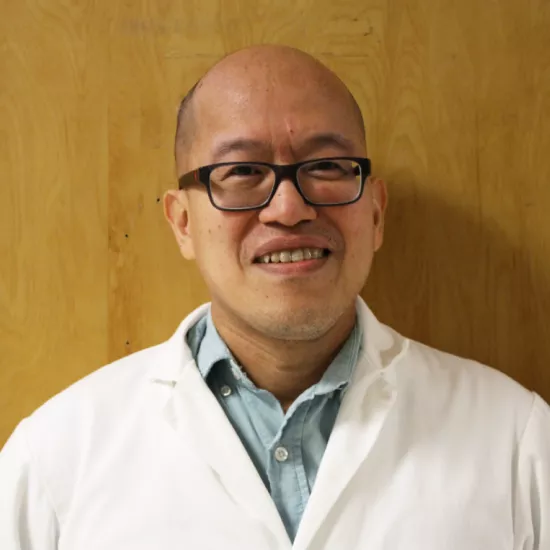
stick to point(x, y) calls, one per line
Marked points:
point(466, 264)
point(53, 209)
point(457, 102)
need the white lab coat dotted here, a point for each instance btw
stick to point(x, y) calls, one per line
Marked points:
point(429, 452)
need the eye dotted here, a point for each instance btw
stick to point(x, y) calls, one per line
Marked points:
point(233, 175)
point(243, 170)
point(330, 169)
point(325, 165)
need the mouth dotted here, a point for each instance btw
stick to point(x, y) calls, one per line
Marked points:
point(294, 255)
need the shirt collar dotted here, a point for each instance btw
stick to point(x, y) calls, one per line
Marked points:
point(339, 372)
point(206, 345)
point(208, 349)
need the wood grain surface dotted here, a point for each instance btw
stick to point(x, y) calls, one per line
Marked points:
point(456, 97)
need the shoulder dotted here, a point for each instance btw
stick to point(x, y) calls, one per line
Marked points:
point(436, 378)
point(115, 382)
point(95, 406)
point(113, 407)
point(448, 386)
point(110, 401)
point(463, 374)
point(123, 384)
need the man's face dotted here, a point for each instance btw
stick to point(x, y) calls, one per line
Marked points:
point(281, 116)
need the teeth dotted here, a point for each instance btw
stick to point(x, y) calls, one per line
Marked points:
point(317, 253)
point(297, 255)
point(286, 256)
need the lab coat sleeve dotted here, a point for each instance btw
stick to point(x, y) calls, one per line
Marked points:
point(27, 517)
point(532, 506)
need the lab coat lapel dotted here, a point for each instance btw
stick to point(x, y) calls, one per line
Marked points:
point(362, 415)
point(197, 417)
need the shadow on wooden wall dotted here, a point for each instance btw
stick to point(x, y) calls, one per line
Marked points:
point(453, 280)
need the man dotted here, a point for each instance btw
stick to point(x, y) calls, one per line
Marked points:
point(283, 415)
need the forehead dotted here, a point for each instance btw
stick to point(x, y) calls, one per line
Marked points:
point(274, 108)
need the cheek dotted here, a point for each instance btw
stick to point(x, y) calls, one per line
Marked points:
point(217, 247)
point(357, 227)
point(213, 249)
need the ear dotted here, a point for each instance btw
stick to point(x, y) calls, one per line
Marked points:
point(176, 211)
point(380, 203)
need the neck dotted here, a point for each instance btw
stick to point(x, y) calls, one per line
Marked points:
point(285, 368)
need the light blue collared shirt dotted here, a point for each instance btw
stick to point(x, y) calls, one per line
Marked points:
point(285, 448)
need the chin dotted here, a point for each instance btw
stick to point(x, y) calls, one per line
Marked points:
point(298, 322)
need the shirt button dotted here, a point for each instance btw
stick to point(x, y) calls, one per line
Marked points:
point(225, 391)
point(281, 454)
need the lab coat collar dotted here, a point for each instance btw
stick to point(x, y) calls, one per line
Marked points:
point(175, 354)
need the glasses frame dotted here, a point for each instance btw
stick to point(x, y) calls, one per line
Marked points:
point(282, 171)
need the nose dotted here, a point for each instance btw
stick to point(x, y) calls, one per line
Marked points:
point(287, 207)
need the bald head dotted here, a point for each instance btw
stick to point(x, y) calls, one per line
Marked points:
point(255, 70)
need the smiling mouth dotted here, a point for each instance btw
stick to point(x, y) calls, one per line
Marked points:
point(294, 255)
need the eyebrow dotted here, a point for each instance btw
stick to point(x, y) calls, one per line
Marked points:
point(236, 146)
point(317, 141)
point(327, 139)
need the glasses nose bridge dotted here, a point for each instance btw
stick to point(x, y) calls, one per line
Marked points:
point(286, 172)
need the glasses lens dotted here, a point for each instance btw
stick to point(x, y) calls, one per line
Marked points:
point(241, 185)
point(330, 181)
